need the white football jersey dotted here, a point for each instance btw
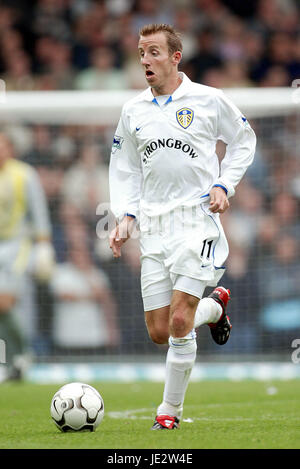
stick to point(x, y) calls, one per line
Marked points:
point(164, 156)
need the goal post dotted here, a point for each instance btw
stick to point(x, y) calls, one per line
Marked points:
point(262, 226)
point(104, 107)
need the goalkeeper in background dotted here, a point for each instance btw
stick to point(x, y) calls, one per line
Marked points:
point(25, 250)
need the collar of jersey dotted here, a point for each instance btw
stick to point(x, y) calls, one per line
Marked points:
point(167, 101)
point(178, 93)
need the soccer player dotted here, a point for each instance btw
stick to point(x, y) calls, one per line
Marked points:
point(165, 175)
point(25, 251)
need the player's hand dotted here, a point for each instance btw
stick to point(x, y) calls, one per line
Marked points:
point(218, 200)
point(120, 234)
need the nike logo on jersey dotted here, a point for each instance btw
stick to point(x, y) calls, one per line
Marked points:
point(137, 129)
point(246, 123)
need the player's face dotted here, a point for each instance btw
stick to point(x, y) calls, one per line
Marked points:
point(160, 67)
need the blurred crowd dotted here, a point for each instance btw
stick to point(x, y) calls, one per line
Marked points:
point(86, 45)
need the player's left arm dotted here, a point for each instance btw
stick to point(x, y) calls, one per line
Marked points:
point(218, 200)
point(235, 131)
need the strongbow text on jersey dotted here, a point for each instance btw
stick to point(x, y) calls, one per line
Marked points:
point(168, 143)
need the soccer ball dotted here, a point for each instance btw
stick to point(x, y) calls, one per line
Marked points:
point(77, 407)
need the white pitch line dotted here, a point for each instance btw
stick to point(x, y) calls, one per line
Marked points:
point(131, 415)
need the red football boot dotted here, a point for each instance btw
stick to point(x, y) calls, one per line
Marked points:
point(165, 422)
point(220, 330)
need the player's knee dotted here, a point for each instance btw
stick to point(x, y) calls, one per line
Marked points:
point(179, 325)
point(182, 314)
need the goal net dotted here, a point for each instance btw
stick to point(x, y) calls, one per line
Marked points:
point(91, 310)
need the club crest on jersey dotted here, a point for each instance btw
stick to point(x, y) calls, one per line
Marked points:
point(117, 143)
point(185, 117)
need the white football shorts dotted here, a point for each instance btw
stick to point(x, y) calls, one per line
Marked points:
point(182, 250)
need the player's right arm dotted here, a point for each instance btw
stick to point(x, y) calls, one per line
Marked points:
point(120, 234)
point(125, 183)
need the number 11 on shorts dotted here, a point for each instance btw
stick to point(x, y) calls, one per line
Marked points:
point(206, 248)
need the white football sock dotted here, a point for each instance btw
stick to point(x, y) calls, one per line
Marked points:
point(179, 364)
point(208, 311)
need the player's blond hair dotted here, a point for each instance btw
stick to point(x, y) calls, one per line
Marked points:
point(173, 38)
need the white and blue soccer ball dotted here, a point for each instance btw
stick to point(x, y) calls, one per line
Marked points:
point(77, 407)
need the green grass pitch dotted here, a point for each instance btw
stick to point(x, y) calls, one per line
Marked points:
point(217, 414)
